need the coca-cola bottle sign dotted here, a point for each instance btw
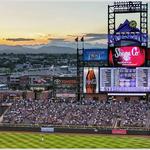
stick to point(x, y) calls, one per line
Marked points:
point(91, 80)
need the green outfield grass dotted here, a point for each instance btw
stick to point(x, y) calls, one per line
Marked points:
point(34, 140)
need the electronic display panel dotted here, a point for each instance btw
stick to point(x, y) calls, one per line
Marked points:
point(128, 56)
point(125, 79)
point(91, 80)
point(95, 55)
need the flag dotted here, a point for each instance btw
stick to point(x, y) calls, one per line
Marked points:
point(82, 39)
point(76, 39)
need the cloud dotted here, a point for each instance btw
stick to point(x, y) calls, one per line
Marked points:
point(19, 39)
point(61, 42)
point(95, 37)
point(73, 36)
point(92, 40)
point(57, 39)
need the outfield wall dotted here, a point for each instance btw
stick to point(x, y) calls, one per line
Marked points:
point(27, 129)
point(77, 130)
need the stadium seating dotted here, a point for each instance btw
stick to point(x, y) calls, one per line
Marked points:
point(85, 113)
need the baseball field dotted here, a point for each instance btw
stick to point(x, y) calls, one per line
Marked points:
point(39, 140)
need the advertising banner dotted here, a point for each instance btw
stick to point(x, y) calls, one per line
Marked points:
point(65, 95)
point(65, 87)
point(65, 80)
point(131, 56)
point(47, 129)
point(119, 131)
point(91, 80)
point(95, 54)
point(40, 80)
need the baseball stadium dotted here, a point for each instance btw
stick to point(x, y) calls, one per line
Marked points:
point(106, 105)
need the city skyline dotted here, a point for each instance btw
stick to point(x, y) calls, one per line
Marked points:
point(38, 22)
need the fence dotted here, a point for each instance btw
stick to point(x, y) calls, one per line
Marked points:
point(75, 129)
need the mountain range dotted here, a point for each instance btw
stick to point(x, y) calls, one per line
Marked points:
point(44, 49)
point(58, 48)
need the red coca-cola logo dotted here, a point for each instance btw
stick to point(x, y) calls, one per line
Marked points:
point(127, 56)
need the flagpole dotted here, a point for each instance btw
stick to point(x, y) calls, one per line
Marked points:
point(83, 45)
point(76, 40)
point(78, 74)
point(82, 40)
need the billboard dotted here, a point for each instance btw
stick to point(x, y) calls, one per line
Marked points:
point(40, 80)
point(125, 79)
point(58, 81)
point(65, 86)
point(65, 95)
point(91, 80)
point(128, 56)
point(47, 129)
point(95, 55)
point(119, 131)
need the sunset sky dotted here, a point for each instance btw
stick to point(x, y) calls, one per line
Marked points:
point(34, 22)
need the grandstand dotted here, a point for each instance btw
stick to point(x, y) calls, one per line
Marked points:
point(92, 113)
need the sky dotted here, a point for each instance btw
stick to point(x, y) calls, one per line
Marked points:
point(38, 22)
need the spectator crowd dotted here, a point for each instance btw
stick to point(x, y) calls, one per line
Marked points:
point(87, 113)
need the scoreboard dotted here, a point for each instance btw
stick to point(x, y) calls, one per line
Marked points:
point(125, 79)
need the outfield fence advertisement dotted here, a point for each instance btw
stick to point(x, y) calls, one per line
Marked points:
point(119, 131)
point(47, 129)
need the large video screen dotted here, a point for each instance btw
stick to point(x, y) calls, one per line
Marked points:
point(95, 55)
point(128, 56)
point(91, 80)
point(125, 79)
